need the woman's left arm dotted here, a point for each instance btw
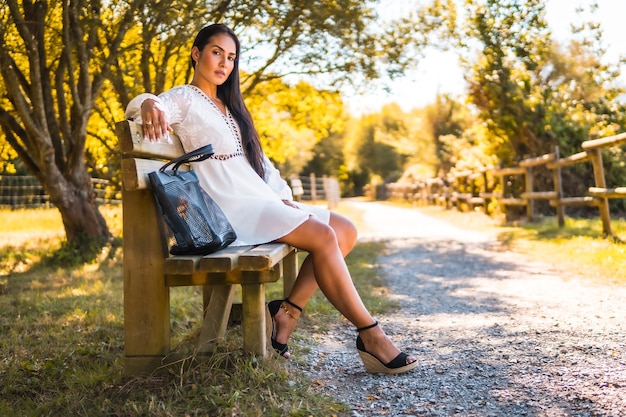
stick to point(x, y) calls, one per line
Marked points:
point(275, 181)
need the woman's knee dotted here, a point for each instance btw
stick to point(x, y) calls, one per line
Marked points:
point(312, 235)
point(345, 230)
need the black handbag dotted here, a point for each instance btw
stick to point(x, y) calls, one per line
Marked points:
point(197, 223)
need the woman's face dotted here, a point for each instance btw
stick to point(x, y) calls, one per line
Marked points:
point(216, 60)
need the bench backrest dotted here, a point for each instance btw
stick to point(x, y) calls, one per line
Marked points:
point(146, 298)
point(139, 156)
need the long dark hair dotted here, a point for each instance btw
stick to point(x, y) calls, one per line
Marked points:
point(230, 94)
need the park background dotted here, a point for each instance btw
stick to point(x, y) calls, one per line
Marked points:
point(327, 83)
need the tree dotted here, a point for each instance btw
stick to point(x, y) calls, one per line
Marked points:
point(283, 43)
point(292, 120)
point(54, 58)
point(446, 121)
point(534, 94)
point(514, 42)
point(379, 146)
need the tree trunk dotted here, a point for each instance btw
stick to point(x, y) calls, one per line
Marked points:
point(81, 218)
point(74, 197)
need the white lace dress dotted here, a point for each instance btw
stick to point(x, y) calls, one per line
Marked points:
point(253, 205)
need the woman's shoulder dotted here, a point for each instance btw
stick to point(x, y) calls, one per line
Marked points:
point(179, 91)
point(181, 96)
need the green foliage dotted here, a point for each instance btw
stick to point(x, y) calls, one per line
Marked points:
point(292, 120)
point(531, 93)
point(505, 78)
point(386, 144)
point(54, 59)
point(8, 159)
point(528, 95)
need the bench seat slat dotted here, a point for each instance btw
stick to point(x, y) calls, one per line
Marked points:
point(224, 278)
point(225, 260)
point(264, 257)
point(185, 265)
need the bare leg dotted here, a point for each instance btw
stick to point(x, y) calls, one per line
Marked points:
point(306, 284)
point(333, 278)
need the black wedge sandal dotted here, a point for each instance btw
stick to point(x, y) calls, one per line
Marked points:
point(374, 365)
point(274, 306)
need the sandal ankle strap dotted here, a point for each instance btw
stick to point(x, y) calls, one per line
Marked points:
point(293, 305)
point(286, 310)
point(371, 326)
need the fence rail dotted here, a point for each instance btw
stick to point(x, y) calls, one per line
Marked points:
point(470, 189)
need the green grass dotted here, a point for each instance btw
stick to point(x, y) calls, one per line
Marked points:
point(577, 249)
point(62, 338)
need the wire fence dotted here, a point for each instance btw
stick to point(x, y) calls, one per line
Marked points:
point(25, 191)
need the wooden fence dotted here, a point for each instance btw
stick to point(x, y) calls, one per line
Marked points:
point(490, 185)
point(312, 188)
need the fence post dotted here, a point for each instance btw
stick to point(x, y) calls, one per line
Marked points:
point(486, 191)
point(313, 188)
point(598, 173)
point(530, 203)
point(558, 188)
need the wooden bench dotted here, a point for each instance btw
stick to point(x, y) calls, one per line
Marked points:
point(150, 272)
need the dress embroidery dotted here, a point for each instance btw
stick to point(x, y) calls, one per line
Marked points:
point(230, 122)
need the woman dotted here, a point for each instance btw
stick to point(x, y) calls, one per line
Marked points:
point(257, 202)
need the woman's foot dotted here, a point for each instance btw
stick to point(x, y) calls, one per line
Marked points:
point(284, 316)
point(379, 354)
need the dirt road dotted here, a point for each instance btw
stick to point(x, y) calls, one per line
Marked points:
point(496, 334)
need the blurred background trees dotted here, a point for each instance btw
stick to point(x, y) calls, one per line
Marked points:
point(69, 69)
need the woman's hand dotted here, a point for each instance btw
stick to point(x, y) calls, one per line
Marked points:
point(155, 126)
point(290, 204)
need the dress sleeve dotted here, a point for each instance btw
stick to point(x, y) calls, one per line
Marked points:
point(171, 102)
point(133, 110)
point(275, 181)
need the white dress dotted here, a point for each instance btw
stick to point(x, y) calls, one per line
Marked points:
point(253, 205)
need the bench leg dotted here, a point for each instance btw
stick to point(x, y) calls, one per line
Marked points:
point(218, 301)
point(146, 298)
point(254, 321)
point(290, 272)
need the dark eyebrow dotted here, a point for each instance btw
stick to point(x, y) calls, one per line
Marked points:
point(224, 50)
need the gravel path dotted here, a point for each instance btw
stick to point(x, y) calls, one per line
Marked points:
point(495, 333)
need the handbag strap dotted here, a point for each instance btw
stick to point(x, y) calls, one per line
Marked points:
point(197, 155)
